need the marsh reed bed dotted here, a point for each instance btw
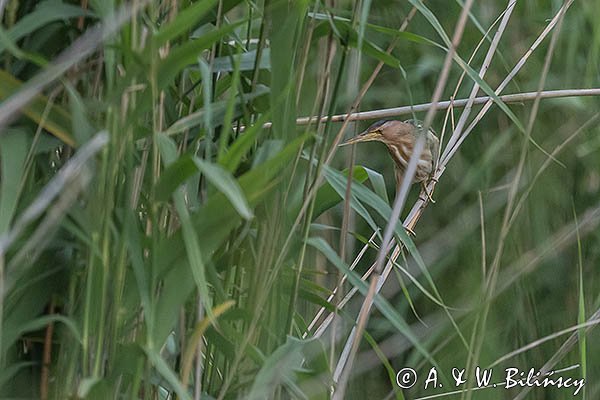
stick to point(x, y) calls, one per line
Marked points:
point(177, 219)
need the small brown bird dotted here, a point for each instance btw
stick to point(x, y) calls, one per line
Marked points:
point(400, 138)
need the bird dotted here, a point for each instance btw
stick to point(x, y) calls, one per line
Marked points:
point(400, 138)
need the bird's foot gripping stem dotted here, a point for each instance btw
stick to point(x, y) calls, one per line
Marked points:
point(425, 195)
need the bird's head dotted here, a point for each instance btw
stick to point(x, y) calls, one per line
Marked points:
point(388, 132)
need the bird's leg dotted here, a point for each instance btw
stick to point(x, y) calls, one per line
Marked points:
point(425, 192)
point(410, 231)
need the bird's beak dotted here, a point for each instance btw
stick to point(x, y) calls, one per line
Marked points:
point(366, 136)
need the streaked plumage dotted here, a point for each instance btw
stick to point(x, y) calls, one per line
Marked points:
point(400, 138)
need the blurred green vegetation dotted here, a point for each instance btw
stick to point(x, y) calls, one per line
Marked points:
point(158, 241)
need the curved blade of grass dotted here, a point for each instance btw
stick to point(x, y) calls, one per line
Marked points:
point(13, 151)
point(278, 368)
point(381, 303)
point(366, 196)
point(10, 335)
point(344, 31)
point(339, 185)
point(14, 50)
point(386, 364)
point(174, 175)
point(409, 36)
point(197, 334)
point(167, 373)
point(218, 110)
point(46, 12)
point(168, 150)
point(140, 272)
point(10, 371)
point(433, 21)
point(327, 197)
point(81, 126)
point(246, 61)
point(377, 181)
point(233, 157)
point(188, 53)
point(226, 6)
point(228, 119)
point(226, 184)
point(184, 21)
point(184, 167)
point(57, 121)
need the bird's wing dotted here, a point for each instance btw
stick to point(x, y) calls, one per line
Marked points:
point(434, 147)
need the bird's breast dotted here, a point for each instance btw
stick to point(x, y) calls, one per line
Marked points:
point(401, 151)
